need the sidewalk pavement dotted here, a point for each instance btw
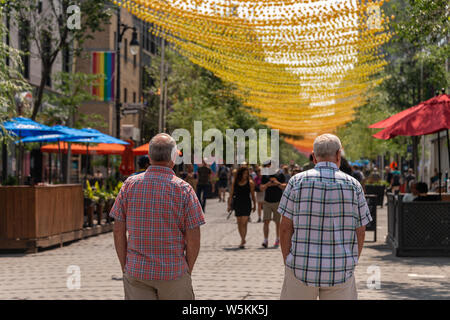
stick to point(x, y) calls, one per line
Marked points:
point(222, 271)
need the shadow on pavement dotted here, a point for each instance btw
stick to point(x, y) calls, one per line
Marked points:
point(438, 290)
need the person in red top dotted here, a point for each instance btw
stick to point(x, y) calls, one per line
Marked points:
point(163, 216)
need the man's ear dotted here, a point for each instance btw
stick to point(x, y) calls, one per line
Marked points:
point(314, 158)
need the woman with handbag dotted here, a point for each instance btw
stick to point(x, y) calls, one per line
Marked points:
point(242, 196)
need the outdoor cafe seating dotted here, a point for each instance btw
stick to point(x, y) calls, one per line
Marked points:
point(419, 228)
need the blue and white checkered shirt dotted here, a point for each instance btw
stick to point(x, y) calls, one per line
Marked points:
point(326, 206)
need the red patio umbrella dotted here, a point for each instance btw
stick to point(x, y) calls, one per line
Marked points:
point(141, 151)
point(393, 119)
point(428, 117)
point(431, 116)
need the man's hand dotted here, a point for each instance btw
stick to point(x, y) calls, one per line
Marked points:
point(192, 238)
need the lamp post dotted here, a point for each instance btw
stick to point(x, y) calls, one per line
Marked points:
point(134, 49)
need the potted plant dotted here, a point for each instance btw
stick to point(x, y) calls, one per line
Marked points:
point(109, 201)
point(377, 188)
point(90, 201)
point(101, 195)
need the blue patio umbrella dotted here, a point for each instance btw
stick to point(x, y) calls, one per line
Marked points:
point(98, 137)
point(60, 133)
point(24, 127)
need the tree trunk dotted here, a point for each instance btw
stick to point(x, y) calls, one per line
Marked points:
point(40, 91)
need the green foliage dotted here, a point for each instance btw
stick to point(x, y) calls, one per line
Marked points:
point(287, 153)
point(196, 94)
point(416, 70)
point(378, 183)
point(73, 89)
point(357, 138)
point(11, 79)
point(89, 192)
point(51, 33)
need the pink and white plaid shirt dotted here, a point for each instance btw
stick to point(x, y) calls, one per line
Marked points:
point(158, 207)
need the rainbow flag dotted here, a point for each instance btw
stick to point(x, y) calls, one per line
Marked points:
point(104, 63)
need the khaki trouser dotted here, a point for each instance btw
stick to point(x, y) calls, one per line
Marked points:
point(178, 289)
point(294, 289)
point(270, 211)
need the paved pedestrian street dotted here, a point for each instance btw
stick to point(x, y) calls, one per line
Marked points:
point(222, 271)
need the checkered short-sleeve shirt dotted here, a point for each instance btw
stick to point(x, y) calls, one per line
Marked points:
point(326, 206)
point(158, 207)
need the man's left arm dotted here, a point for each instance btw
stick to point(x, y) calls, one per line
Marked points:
point(363, 219)
point(120, 242)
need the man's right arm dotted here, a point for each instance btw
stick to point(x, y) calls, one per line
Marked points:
point(192, 237)
point(120, 242)
point(194, 218)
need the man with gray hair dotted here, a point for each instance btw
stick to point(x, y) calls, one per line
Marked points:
point(324, 214)
point(163, 216)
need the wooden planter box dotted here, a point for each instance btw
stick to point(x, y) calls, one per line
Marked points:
point(40, 216)
point(418, 229)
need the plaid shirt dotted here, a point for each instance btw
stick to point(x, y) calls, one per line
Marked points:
point(326, 206)
point(158, 207)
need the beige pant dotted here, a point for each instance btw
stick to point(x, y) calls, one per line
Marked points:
point(178, 289)
point(270, 211)
point(294, 289)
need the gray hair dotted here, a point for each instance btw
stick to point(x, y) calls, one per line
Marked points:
point(161, 148)
point(326, 146)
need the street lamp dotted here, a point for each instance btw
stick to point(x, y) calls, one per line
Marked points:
point(134, 49)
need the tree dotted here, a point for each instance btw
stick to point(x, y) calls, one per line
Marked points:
point(196, 94)
point(51, 32)
point(73, 91)
point(417, 67)
point(12, 82)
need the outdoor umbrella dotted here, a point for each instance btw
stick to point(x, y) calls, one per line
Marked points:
point(141, 151)
point(105, 140)
point(61, 133)
point(24, 127)
point(393, 119)
point(431, 116)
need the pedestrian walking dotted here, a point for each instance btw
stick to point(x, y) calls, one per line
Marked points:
point(242, 198)
point(273, 187)
point(162, 216)
point(224, 176)
point(204, 175)
point(324, 214)
point(259, 193)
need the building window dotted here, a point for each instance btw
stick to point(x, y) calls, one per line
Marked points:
point(125, 95)
point(134, 61)
point(134, 97)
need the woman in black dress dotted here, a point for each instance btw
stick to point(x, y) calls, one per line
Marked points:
point(243, 195)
